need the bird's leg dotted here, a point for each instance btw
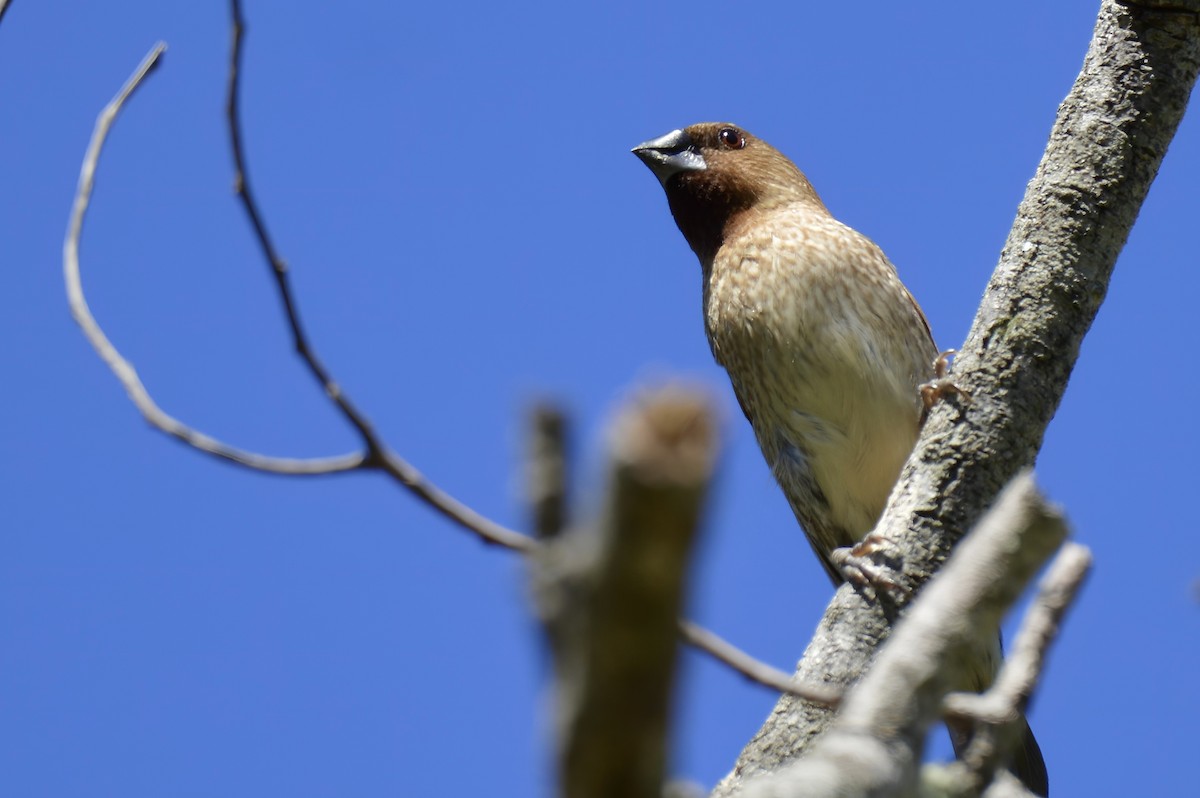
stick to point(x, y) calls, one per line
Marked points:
point(941, 386)
point(873, 564)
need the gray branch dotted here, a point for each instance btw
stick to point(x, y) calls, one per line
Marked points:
point(609, 595)
point(1105, 148)
point(997, 711)
point(875, 745)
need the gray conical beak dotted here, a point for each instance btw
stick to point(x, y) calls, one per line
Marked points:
point(670, 154)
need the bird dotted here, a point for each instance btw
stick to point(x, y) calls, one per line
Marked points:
point(826, 349)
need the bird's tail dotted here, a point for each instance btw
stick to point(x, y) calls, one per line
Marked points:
point(1027, 763)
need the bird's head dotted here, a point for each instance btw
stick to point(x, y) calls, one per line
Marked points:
point(716, 176)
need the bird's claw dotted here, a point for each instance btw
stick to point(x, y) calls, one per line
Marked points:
point(873, 565)
point(942, 385)
point(941, 366)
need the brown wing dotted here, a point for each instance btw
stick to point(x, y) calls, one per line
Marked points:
point(745, 408)
point(921, 316)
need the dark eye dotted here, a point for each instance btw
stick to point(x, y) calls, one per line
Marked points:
point(731, 138)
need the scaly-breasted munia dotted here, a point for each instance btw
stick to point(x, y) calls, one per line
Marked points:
point(826, 349)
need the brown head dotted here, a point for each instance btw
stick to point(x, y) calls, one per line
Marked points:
point(717, 176)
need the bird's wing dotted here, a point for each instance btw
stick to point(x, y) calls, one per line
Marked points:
point(835, 575)
point(921, 316)
point(742, 404)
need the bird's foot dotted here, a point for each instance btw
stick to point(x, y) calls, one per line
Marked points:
point(941, 386)
point(873, 565)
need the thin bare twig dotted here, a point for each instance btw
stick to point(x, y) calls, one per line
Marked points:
point(3, 8)
point(279, 269)
point(753, 669)
point(378, 454)
point(121, 367)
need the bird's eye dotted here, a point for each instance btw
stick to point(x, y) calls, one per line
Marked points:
point(731, 138)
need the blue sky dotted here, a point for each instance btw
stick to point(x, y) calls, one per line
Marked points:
point(452, 187)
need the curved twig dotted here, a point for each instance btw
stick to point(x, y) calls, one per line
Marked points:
point(376, 456)
point(122, 368)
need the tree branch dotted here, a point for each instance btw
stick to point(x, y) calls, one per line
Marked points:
point(122, 368)
point(378, 454)
point(874, 747)
point(1105, 148)
point(754, 670)
point(996, 711)
point(609, 595)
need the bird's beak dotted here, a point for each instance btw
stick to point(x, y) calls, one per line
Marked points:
point(670, 154)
